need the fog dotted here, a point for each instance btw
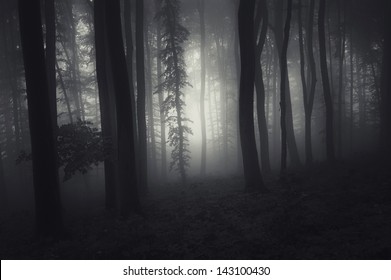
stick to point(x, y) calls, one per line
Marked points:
point(131, 116)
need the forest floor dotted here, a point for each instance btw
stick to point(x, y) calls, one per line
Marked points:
point(325, 213)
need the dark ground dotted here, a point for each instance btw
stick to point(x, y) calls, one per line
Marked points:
point(339, 213)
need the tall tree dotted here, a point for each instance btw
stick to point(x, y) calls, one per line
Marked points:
point(261, 23)
point(141, 121)
point(50, 20)
point(201, 12)
point(252, 172)
point(105, 102)
point(175, 79)
point(310, 84)
point(127, 171)
point(3, 187)
point(45, 174)
point(279, 37)
point(385, 88)
point(284, 70)
point(326, 83)
point(162, 113)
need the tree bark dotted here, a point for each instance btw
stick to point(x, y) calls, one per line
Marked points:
point(142, 125)
point(127, 171)
point(106, 114)
point(326, 84)
point(201, 12)
point(279, 35)
point(45, 174)
point(284, 71)
point(261, 22)
point(252, 172)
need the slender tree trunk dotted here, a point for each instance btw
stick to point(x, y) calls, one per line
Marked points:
point(129, 199)
point(45, 174)
point(341, 89)
point(385, 86)
point(261, 18)
point(161, 109)
point(149, 89)
point(326, 84)
point(284, 70)
point(252, 172)
point(201, 12)
point(50, 17)
point(279, 35)
point(129, 54)
point(351, 91)
point(3, 187)
point(312, 84)
point(142, 125)
point(106, 114)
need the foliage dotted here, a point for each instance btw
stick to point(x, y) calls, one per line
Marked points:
point(79, 147)
point(174, 35)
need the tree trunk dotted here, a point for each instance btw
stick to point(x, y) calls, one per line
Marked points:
point(151, 121)
point(284, 70)
point(45, 174)
point(127, 172)
point(106, 114)
point(309, 100)
point(50, 18)
point(279, 35)
point(129, 55)
point(261, 18)
point(341, 84)
point(3, 187)
point(161, 110)
point(326, 84)
point(252, 172)
point(142, 125)
point(201, 12)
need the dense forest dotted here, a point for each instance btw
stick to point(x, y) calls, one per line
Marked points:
point(195, 129)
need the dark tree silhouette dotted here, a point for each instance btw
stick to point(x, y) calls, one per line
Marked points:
point(107, 114)
point(162, 113)
point(201, 12)
point(45, 174)
point(127, 171)
point(141, 121)
point(261, 23)
point(50, 20)
point(252, 172)
point(326, 83)
point(283, 93)
point(385, 89)
point(175, 79)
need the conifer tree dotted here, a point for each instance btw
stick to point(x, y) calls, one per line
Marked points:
point(174, 80)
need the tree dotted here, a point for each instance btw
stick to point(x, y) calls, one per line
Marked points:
point(142, 125)
point(50, 19)
point(3, 187)
point(284, 70)
point(175, 79)
point(252, 172)
point(127, 171)
point(106, 103)
point(201, 12)
point(279, 37)
point(162, 113)
point(326, 83)
point(45, 175)
point(261, 19)
point(308, 90)
point(385, 88)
